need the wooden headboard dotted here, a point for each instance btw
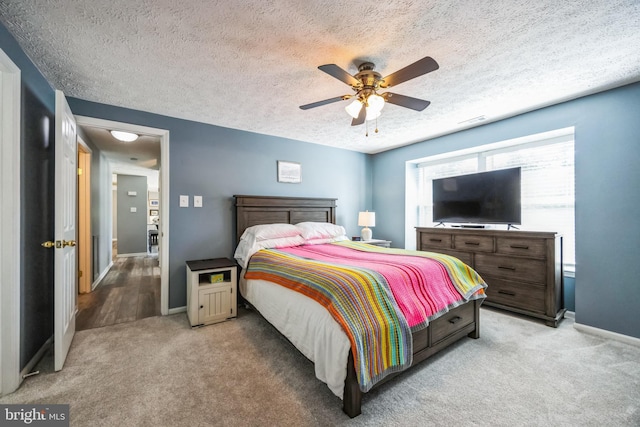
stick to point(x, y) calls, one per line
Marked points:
point(254, 210)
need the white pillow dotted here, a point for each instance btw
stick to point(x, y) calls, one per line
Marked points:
point(320, 230)
point(281, 242)
point(270, 231)
point(248, 246)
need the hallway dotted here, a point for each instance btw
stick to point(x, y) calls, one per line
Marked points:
point(130, 291)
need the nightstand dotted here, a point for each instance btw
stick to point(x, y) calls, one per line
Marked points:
point(211, 290)
point(378, 242)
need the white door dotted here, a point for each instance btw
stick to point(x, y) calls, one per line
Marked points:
point(64, 309)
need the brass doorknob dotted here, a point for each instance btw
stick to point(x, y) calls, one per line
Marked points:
point(68, 243)
point(48, 244)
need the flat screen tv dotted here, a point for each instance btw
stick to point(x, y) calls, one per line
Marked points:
point(480, 198)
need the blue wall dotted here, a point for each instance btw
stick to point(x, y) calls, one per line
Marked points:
point(132, 226)
point(607, 154)
point(216, 163)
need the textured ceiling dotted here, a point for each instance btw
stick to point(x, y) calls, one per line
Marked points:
point(249, 64)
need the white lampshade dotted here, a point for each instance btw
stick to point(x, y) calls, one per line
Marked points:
point(354, 108)
point(124, 136)
point(375, 103)
point(367, 219)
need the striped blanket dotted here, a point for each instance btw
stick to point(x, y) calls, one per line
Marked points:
point(378, 295)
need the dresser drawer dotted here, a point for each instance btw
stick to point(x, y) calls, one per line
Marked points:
point(435, 241)
point(533, 248)
point(510, 268)
point(473, 243)
point(525, 296)
point(451, 322)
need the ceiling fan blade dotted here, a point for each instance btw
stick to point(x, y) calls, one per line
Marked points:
point(334, 71)
point(325, 102)
point(406, 101)
point(361, 116)
point(418, 68)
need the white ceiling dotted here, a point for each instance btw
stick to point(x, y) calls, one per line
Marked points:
point(249, 64)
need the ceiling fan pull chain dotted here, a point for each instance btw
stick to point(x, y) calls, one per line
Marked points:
point(376, 125)
point(366, 124)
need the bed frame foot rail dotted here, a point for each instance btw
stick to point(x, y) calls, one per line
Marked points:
point(352, 396)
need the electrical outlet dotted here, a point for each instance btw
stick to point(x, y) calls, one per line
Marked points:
point(134, 210)
point(184, 201)
point(197, 201)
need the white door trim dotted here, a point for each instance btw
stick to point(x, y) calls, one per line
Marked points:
point(10, 279)
point(163, 134)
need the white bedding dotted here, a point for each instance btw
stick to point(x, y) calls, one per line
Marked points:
point(307, 324)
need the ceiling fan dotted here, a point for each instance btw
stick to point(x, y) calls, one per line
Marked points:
point(366, 83)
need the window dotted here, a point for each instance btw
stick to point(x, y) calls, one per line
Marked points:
point(548, 184)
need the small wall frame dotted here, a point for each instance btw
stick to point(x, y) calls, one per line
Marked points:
point(289, 172)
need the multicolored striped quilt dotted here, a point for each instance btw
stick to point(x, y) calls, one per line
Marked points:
point(378, 295)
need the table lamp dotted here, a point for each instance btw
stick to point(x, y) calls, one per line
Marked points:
point(366, 219)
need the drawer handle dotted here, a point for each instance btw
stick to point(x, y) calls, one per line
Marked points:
point(501, 267)
point(519, 247)
point(455, 320)
point(435, 240)
point(472, 243)
point(512, 294)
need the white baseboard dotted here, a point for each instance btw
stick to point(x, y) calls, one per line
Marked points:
point(96, 282)
point(570, 315)
point(177, 310)
point(607, 334)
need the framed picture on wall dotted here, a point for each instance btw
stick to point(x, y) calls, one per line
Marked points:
point(154, 212)
point(290, 172)
point(154, 203)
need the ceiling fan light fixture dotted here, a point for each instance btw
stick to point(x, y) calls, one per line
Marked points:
point(371, 114)
point(375, 103)
point(354, 108)
point(124, 136)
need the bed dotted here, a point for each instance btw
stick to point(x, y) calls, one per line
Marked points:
point(313, 322)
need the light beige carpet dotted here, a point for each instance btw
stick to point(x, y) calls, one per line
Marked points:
point(159, 372)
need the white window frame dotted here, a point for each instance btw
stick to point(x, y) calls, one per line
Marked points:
point(480, 153)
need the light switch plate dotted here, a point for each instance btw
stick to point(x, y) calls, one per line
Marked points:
point(197, 201)
point(132, 193)
point(184, 201)
point(134, 209)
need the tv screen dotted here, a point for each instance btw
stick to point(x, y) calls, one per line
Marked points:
point(480, 198)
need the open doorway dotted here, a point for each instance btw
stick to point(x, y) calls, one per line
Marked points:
point(146, 263)
point(84, 246)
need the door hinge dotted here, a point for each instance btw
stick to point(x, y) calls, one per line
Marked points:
point(79, 171)
point(79, 273)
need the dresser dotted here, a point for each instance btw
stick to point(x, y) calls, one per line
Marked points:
point(523, 269)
